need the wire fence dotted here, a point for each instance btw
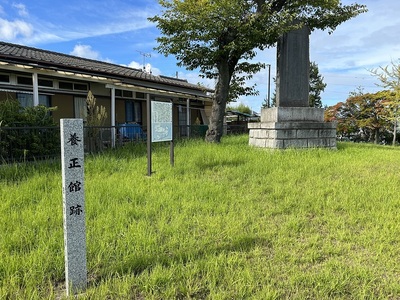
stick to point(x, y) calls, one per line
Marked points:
point(21, 144)
point(18, 144)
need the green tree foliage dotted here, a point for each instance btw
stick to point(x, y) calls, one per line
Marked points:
point(13, 115)
point(10, 112)
point(389, 77)
point(20, 135)
point(238, 88)
point(240, 108)
point(316, 86)
point(363, 117)
point(220, 37)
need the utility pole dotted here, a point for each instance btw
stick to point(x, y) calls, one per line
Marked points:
point(269, 86)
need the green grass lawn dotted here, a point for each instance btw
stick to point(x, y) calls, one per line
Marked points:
point(227, 222)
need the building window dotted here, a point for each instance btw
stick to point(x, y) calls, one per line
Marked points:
point(63, 85)
point(124, 94)
point(26, 100)
point(80, 87)
point(183, 121)
point(4, 78)
point(45, 82)
point(133, 112)
point(24, 80)
point(127, 94)
point(80, 108)
point(140, 95)
point(72, 86)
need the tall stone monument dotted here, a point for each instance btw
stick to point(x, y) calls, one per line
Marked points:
point(292, 123)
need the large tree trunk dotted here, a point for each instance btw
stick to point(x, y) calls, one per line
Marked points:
point(395, 131)
point(376, 136)
point(216, 126)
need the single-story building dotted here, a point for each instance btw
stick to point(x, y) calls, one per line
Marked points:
point(35, 76)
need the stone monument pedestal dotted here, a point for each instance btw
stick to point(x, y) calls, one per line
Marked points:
point(292, 127)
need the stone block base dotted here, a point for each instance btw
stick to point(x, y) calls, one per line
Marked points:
point(293, 127)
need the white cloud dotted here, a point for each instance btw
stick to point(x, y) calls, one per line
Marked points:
point(46, 26)
point(11, 31)
point(22, 11)
point(136, 65)
point(155, 71)
point(85, 51)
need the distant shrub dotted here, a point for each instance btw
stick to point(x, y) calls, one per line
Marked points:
point(27, 132)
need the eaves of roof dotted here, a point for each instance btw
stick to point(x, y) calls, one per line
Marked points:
point(39, 58)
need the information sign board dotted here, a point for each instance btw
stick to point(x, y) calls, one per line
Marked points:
point(161, 121)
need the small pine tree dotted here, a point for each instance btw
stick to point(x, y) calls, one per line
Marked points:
point(316, 85)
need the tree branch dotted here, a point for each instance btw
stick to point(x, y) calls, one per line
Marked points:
point(277, 5)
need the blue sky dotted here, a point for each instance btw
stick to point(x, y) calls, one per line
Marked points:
point(118, 31)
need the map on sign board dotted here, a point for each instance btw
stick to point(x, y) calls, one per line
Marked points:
point(161, 121)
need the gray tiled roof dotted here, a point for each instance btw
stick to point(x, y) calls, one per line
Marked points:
point(47, 59)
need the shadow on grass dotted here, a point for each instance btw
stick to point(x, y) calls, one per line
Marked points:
point(141, 263)
point(365, 146)
point(17, 172)
point(207, 164)
point(20, 171)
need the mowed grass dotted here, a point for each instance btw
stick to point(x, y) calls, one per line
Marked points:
point(226, 222)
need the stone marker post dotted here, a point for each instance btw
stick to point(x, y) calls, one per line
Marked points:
point(72, 155)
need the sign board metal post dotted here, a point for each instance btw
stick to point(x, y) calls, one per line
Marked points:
point(149, 135)
point(171, 148)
